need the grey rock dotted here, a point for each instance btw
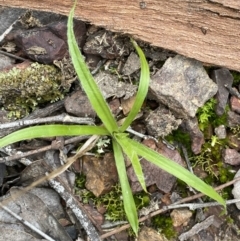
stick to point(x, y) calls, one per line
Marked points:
point(79, 105)
point(5, 61)
point(231, 156)
point(221, 132)
point(191, 126)
point(222, 77)
point(132, 64)
point(110, 86)
point(183, 85)
point(161, 122)
point(233, 119)
point(106, 44)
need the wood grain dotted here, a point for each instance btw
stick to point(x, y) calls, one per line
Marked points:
point(208, 31)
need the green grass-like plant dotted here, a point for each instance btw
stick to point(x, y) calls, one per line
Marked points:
point(120, 139)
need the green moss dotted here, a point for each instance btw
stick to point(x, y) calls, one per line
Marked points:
point(164, 225)
point(207, 116)
point(22, 90)
point(236, 78)
point(210, 160)
point(112, 201)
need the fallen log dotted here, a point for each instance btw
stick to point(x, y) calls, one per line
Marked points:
point(207, 30)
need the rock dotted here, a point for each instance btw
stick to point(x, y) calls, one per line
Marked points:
point(111, 87)
point(5, 62)
point(48, 43)
point(161, 122)
point(101, 174)
point(153, 174)
point(127, 104)
point(150, 234)
point(41, 45)
point(180, 217)
point(233, 141)
point(183, 85)
point(79, 105)
point(231, 156)
point(222, 77)
point(59, 28)
point(235, 104)
point(107, 44)
point(132, 64)
point(115, 106)
point(191, 126)
point(233, 119)
point(220, 132)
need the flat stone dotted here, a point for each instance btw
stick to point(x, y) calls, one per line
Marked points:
point(101, 173)
point(231, 156)
point(150, 234)
point(180, 217)
point(161, 122)
point(132, 64)
point(79, 105)
point(222, 77)
point(235, 104)
point(41, 45)
point(110, 86)
point(183, 85)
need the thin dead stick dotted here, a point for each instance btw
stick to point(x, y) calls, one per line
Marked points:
point(63, 118)
point(12, 55)
point(196, 196)
point(72, 203)
point(15, 155)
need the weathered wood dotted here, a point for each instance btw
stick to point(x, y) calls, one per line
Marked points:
point(207, 30)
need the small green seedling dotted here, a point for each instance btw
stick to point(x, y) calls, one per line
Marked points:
point(120, 140)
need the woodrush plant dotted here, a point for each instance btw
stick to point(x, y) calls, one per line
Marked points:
point(121, 142)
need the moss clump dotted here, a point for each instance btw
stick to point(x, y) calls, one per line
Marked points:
point(22, 90)
point(207, 116)
point(210, 161)
point(164, 225)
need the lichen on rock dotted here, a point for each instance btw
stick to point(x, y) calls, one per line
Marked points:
point(23, 90)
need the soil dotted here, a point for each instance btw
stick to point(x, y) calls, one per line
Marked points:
point(93, 179)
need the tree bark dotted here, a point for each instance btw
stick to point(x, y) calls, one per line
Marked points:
point(207, 30)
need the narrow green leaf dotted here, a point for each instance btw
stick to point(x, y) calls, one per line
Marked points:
point(142, 89)
point(174, 169)
point(87, 81)
point(51, 131)
point(132, 155)
point(128, 201)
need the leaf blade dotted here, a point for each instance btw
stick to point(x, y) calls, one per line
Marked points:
point(142, 89)
point(51, 131)
point(174, 169)
point(87, 81)
point(128, 201)
point(132, 155)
